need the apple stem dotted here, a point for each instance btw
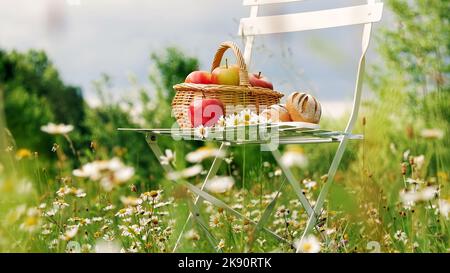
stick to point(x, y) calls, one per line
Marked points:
point(226, 63)
point(259, 75)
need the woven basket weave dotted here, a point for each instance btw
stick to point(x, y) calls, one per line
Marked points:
point(243, 95)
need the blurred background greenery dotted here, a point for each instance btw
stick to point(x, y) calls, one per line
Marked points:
point(407, 114)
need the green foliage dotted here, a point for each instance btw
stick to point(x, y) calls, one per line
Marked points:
point(415, 53)
point(413, 83)
point(172, 67)
point(102, 123)
point(38, 81)
point(26, 113)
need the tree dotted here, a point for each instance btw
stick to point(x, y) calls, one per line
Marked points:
point(172, 68)
point(412, 82)
point(416, 60)
point(34, 95)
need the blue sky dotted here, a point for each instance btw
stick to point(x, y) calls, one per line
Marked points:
point(85, 38)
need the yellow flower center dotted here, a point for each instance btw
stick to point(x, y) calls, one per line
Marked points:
point(307, 247)
point(31, 221)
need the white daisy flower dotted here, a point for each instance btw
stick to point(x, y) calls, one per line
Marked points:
point(278, 172)
point(419, 161)
point(237, 206)
point(202, 153)
point(168, 157)
point(444, 207)
point(124, 174)
point(32, 220)
point(406, 154)
point(87, 170)
point(60, 204)
point(245, 116)
point(254, 119)
point(202, 131)
point(109, 207)
point(192, 235)
point(221, 244)
point(433, 133)
point(232, 120)
point(124, 212)
point(71, 232)
point(162, 204)
point(401, 236)
point(79, 193)
point(229, 160)
point(309, 184)
point(53, 244)
point(102, 246)
point(136, 229)
point(186, 173)
point(130, 200)
point(309, 244)
point(261, 242)
point(410, 197)
point(221, 122)
point(110, 173)
point(413, 181)
point(220, 184)
point(294, 158)
point(214, 220)
point(63, 191)
point(192, 171)
point(97, 219)
point(57, 129)
point(429, 193)
point(51, 212)
point(46, 231)
point(73, 247)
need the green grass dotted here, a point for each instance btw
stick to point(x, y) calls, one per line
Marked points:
point(363, 213)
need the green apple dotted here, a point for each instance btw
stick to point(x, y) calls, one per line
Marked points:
point(226, 75)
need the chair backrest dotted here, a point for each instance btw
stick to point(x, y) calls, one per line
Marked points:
point(362, 14)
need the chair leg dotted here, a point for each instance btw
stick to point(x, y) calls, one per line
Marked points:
point(193, 208)
point(196, 216)
point(151, 140)
point(323, 193)
point(265, 215)
point(152, 143)
point(220, 204)
point(211, 173)
point(291, 179)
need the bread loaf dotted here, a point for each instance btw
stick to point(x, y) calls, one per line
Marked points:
point(277, 113)
point(303, 107)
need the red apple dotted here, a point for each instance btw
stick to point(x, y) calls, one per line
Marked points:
point(205, 112)
point(226, 75)
point(200, 77)
point(256, 79)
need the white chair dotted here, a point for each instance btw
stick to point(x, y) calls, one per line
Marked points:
point(254, 26)
point(363, 14)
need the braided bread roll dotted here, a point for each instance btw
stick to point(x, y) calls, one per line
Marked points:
point(277, 113)
point(304, 107)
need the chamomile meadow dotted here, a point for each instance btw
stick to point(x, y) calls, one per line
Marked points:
point(70, 181)
point(101, 207)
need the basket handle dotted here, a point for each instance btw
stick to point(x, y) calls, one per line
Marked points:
point(243, 73)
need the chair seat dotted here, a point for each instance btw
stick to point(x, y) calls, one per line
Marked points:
point(283, 133)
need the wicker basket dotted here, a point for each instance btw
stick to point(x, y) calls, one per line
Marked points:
point(243, 95)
